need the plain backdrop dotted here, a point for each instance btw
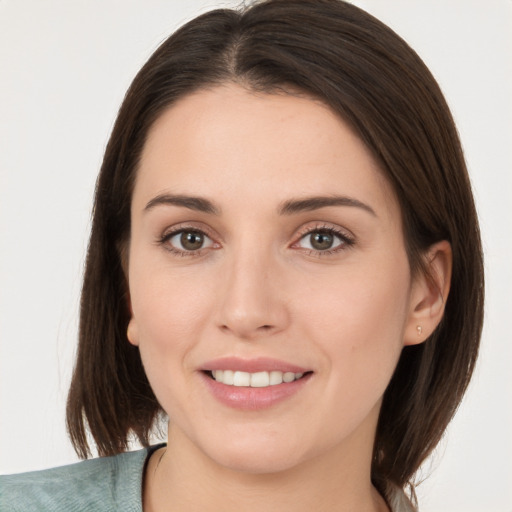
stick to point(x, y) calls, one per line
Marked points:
point(64, 68)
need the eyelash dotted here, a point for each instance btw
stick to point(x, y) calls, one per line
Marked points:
point(346, 241)
point(168, 235)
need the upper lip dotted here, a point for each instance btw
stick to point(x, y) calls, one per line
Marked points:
point(259, 364)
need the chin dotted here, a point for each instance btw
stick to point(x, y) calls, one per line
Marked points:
point(257, 463)
point(255, 456)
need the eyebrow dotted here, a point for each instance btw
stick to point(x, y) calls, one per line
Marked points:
point(314, 203)
point(289, 207)
point(198, 204)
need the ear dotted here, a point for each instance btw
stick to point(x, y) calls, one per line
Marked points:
point(132, 332)
point(429, 293)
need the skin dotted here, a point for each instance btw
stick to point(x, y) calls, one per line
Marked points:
point(258, 288)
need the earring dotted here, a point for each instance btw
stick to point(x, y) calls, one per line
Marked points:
point(419, 329)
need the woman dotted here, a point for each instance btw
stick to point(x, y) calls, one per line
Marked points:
point(285, 260)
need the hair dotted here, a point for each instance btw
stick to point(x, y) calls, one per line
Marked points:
point(337, 53)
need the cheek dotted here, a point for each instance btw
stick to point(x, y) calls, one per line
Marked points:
point(166, 305)
point(168, 315)
point(357, 325)
point(358, 320)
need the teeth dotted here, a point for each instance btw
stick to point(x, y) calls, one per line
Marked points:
point(254, 380)
point(276, 378)
point(289, 377)
point(228, 377)
point(260, 380)
point(242, 379)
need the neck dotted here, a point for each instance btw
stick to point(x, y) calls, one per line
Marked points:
point(181, 477)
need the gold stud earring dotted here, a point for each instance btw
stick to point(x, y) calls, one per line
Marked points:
point(419, 329)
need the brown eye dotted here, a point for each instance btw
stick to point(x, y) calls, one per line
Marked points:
point(189, 241)
point(323, 240)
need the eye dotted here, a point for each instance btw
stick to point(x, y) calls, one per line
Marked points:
point(188, 240)
point(324, 240)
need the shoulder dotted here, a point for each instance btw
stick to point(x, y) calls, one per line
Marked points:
point(103, 484)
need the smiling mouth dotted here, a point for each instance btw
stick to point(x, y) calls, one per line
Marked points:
point(254, 380)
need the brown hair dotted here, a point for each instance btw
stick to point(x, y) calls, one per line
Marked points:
point(341, 55)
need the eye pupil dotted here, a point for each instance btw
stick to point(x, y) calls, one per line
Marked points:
point(322, 240)
point(191, 240)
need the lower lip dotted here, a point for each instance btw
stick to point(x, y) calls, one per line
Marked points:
point(253, 399)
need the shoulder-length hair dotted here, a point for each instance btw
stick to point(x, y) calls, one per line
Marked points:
point(373, 80)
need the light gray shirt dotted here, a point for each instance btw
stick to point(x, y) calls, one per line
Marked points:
point(106, 484)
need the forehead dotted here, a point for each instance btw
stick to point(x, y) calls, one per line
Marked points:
point(228, 139)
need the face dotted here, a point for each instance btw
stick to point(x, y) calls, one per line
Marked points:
point(269, 283)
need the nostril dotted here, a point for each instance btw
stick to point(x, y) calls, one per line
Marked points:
point(246, 328)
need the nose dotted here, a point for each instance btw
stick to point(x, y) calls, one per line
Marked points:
point(252, 302)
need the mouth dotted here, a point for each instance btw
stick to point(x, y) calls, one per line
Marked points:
point(260, 379)
point(254, 384)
